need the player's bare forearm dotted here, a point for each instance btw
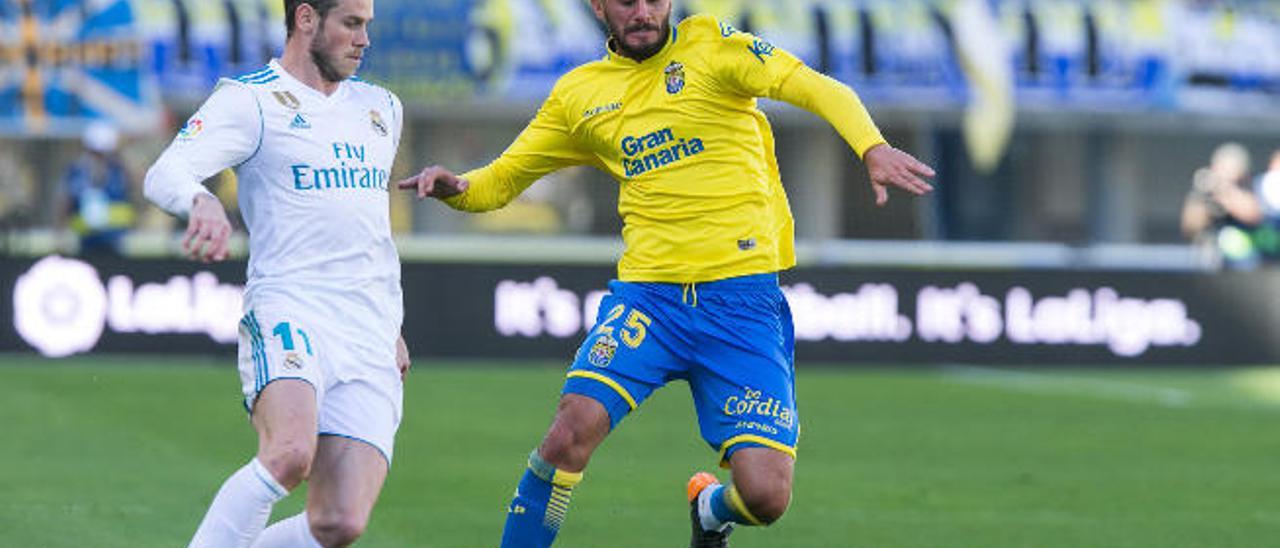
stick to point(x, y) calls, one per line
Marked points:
point(888, 166)
point(435, 182)
point(479, 191)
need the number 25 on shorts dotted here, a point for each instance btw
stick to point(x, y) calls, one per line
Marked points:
point(633, 330)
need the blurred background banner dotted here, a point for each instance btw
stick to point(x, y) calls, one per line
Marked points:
point(189, 44)
point(423, 52)
point(482, 50)
point(1089, 141)
point(69, 62)
point(66, 306)
point(1101, 54)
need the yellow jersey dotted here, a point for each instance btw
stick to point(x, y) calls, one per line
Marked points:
point(701, 198)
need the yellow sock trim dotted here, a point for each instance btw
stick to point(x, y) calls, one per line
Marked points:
point(735, 502)
point(551, 474)
point(562, 484)
point(567, 480)
point(607, 382)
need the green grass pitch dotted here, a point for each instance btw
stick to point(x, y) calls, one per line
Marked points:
point(127, 453)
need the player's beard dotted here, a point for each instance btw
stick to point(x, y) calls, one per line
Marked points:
point(644, 52)
point(326, 63)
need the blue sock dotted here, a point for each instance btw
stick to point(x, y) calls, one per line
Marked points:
point(539, 506)
point(727, 507)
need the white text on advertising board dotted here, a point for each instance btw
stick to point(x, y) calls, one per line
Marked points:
point(872, 313)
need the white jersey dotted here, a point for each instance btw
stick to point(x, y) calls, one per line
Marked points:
point(313, 176)
point(323, 302)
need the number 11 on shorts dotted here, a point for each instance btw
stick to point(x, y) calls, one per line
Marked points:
point(285, 331)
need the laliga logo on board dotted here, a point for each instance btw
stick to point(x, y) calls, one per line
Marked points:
point(58, 307)
point(61, 307)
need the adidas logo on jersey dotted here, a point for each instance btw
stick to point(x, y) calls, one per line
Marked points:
point(300, 123)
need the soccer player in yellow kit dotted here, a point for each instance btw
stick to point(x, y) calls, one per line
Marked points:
point(671, 114)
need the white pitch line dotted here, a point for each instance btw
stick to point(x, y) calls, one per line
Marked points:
point(1045, 383)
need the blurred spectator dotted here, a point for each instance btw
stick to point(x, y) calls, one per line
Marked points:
point(1221, 213)
point(100, 202)
point(16, 191)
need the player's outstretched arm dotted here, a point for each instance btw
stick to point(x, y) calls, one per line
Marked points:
point(754, 68)
point(544, 146)
point(840, 106)
point(435, 182)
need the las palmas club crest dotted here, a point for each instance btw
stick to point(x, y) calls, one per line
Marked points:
point(675, 78)
point(64, 63)
point(602, 352)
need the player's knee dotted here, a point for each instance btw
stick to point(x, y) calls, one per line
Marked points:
point(337, 529)
point(566, 448)
point(290, 463)
point(580, 425)
point(768, 500)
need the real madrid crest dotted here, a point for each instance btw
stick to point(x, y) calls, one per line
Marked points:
point(379, 126)
point(675, 77)
point(293, 361)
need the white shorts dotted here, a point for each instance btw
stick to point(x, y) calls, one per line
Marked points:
point(345, 350)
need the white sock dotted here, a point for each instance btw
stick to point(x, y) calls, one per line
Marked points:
point(240, 510)
point(709, 520)
point(292, 532)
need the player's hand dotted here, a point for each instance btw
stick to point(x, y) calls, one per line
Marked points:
point(889, 166)
point(435, 182)
point(208, 231)
point(402, 358)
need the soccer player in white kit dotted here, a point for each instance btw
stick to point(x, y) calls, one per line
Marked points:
point(321, 359)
